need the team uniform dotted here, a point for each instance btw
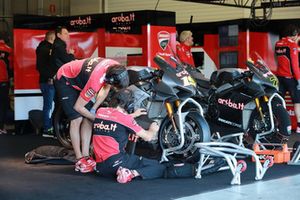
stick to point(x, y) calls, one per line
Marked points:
point(288, 71)
point(5, 73)
point(111, 130)
point(81, 77)
point(185, 54)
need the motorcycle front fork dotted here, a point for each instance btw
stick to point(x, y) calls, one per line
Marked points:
point(259, 108)
point(170, 112)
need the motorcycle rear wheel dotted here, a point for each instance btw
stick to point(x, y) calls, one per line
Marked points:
point(61, 127)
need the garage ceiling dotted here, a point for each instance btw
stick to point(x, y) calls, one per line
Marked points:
point(258, 4)
point(260, 10)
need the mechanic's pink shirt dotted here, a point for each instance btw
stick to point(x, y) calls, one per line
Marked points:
point(111, 129)
point(86, 75)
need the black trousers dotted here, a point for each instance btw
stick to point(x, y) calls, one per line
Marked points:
point(147, 168)
point(4, 102)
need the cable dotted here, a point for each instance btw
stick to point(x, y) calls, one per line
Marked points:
point(156, 4)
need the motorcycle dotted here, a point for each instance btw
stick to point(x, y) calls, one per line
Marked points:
point(245, 101)
point(166, 95)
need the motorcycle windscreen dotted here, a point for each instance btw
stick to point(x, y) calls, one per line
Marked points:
point(231, 108)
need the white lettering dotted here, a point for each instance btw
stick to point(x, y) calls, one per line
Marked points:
point(105, 127)
point(229, 103)
point(81, 22)
point(122, 18)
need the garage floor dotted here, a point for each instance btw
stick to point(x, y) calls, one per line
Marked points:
point(39, 181)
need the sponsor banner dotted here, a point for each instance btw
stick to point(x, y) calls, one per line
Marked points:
point(84, 23)
point(125, 22)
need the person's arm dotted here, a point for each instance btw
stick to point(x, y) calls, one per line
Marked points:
point(62, 54)
point(80, 107)
point(102, 94)
point(295, 61)
point(150, 134)
point(139, 112)
point(180, 52)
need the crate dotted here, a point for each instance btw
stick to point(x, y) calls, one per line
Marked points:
point(280, 155)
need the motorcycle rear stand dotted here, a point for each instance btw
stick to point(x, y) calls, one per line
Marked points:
point(296, 157)
point(229, 151)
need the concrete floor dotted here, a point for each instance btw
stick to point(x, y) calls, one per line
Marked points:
point(278, 189)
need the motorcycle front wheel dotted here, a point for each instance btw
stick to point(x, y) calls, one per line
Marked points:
point(282, 124)
point(61, 127)
point(196, 129)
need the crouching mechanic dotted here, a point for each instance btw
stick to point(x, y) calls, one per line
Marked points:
point(111, 129)
point(77, 82)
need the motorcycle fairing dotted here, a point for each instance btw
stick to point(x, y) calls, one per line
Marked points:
point(231, 106)
point(226, 75)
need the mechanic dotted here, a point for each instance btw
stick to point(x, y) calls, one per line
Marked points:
point(6, 74)
point(111, 130)
point(288, 72)
point(183, 48)
point(77, 82)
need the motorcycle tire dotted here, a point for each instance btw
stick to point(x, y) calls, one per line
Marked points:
point(282, 119)
point(196, 127)
point(61, 127)
point(282, 124)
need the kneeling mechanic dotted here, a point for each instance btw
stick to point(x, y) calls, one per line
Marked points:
point(111, 129)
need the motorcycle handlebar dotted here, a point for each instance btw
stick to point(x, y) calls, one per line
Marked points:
point(157, 73)
point(149, 76)
point(246, 74)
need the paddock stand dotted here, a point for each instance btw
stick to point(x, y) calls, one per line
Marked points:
point(296, 157)
point(229, 151)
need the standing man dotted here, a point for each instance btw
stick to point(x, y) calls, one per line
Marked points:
point(288, 72)
point(77, 82)
point(47, 72)
point(183, 49)
point(5, 75)
point(60, 55)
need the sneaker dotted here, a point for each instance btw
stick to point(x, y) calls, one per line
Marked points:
point(298, 130)
point(124, 175)
point(48, 133)
point(83, 166)
point(91, 161)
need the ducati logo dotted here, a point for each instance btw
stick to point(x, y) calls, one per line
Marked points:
point(163, 39)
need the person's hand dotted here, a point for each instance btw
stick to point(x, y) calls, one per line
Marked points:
point(154, 126)
point(50, 81)
point(71, 51)
point(139, 112)
point(298, 86)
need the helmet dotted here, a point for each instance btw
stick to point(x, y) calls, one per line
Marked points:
point(117, 76)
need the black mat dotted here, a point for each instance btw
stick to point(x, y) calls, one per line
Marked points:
point(22, 181)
